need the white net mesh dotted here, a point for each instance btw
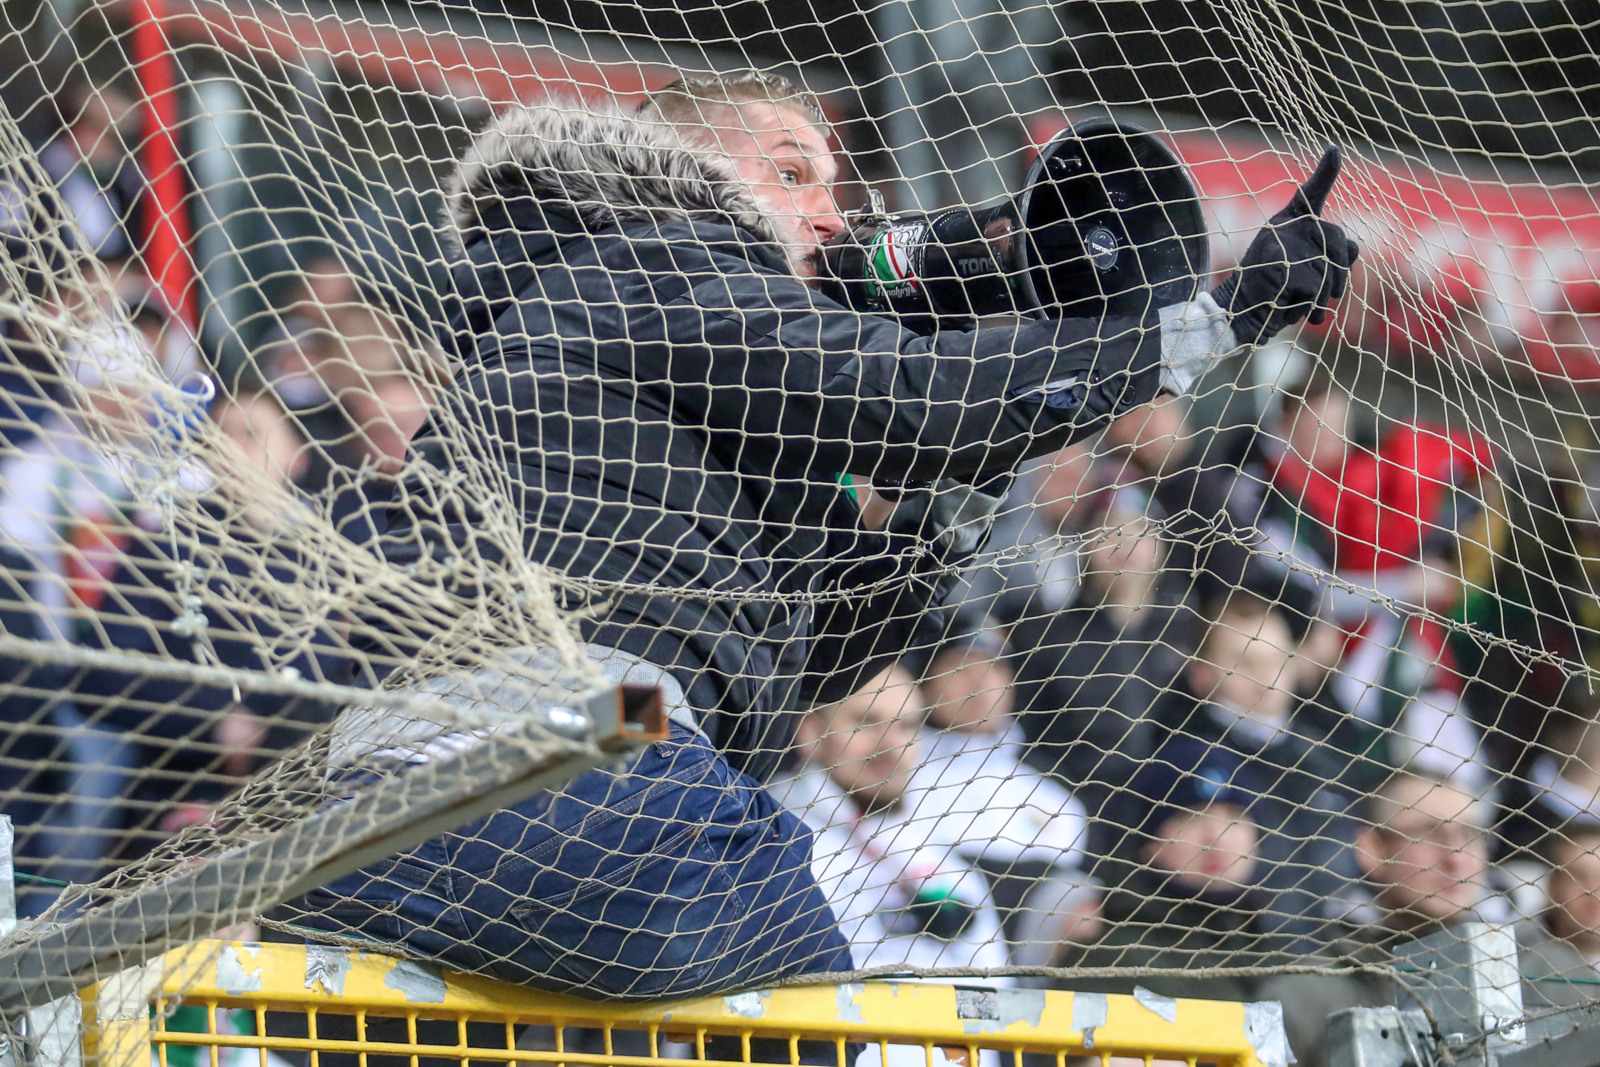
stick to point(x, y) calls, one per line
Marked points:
point(342, 441)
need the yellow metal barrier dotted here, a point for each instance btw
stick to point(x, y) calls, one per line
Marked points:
point(324, 1006)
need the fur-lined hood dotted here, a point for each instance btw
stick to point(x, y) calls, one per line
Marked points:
point(607, 168)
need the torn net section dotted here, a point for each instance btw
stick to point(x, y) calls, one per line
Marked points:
point(1155, 743)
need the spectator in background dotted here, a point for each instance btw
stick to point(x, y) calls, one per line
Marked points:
point(901, 899)
point(1236, 697)
point(66, 517)
point(164, 334)
point(1030, 566)
point(1386, 521)
point(898, 899)
point(99, 182)
point(359, 392)
point(1226, 536)
point(321, 292)
point(33, 241)
point(1425, 865)
point(268, 438)
point(1151, 442)
point(195, 743)
point(1183, 891)
point(1230, 535)
point(295, 368)
point(1572, 910)
point(1528, 579)
point(328, 339)
point(385, 414)
point(1209, 501)
point(1317, 711)
point(1087, 676)
point(1561, 788)
point(1021, 829)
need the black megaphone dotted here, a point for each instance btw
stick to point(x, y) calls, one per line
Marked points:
point(1108, 223)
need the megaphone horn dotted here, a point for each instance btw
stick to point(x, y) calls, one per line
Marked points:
point(1114, 223)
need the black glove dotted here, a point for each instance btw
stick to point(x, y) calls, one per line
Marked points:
point(1298, 263)
point(953, 517)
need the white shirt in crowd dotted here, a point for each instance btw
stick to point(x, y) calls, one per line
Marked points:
point(872, 867)
point(977, 797)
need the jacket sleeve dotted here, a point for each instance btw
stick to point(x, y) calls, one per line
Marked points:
point(788, 370)
point(866, 628)
point(898, 604)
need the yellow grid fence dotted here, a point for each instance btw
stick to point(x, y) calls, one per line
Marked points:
point(322, 1005)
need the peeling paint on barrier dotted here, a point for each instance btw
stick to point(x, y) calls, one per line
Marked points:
point(418, 983)
point(747, 1005)
point(328, 966)
point(991, 1011)
point(1263, 1028)
point(977, 1005)
point(1165, 1007)
point(1088, 1014)
point(1021, 1006)
point(847, 998)
point(232, 978)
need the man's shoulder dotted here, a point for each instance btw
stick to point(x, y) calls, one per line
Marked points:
point(690, 244)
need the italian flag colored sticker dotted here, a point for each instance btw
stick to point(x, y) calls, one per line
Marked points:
point(890, 259)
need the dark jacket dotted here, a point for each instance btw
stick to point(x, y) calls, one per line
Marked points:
point(1301, 812)
point(160, 579)
point(671, 408)
point(1086, 682)
point(30, 383)
point(1153, 922)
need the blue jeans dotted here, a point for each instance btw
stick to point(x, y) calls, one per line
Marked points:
point(671, 877)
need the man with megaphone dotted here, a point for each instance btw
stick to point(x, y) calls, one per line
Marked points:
point(674, 407)
point(1106, 238)
point(1108, 226)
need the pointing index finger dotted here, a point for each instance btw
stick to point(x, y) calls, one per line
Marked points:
point(1320, 184)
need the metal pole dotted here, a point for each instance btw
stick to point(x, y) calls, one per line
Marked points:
point(166, 250)
point(960, 76)
point(388, 817)
point(216, 171)
point(8, 879)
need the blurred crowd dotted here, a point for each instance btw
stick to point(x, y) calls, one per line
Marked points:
point(1226, 700)
point(99, 765)
point(1210, 698)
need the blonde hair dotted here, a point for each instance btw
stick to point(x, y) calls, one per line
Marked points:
point(694, 100)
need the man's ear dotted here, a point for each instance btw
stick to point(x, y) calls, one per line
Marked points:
point(1366, 850)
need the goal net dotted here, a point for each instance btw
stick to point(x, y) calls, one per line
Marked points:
point(354, 459)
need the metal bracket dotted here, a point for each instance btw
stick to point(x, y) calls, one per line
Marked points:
point(50, 1035)
point(1380, 1037)
point(637, 715)
point(1469, 977)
